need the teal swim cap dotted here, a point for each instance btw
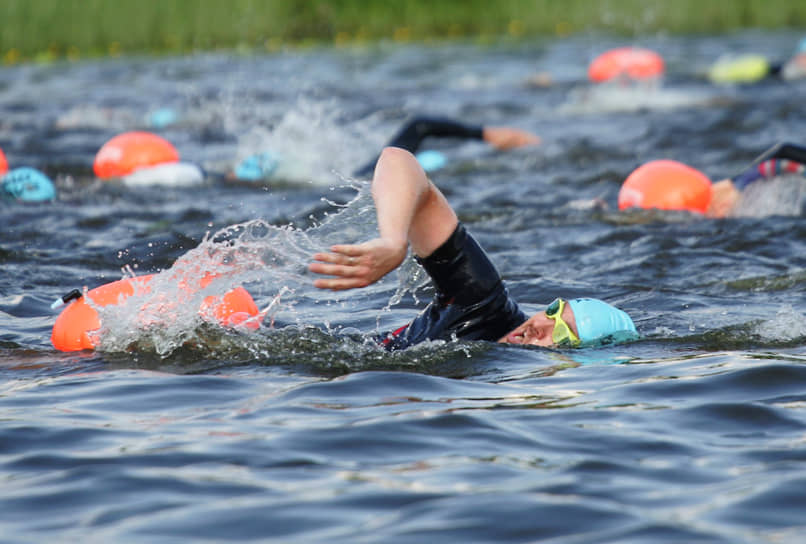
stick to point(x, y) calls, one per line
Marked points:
point(162, 117)
point(431, 160)
point(28, 185)
point(257, 167)
point(600, 323)
point(802, 46)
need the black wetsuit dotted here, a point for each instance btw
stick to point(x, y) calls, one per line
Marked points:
point(418, 129)
point(471, 302)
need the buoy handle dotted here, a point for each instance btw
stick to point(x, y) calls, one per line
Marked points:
point(64, 299)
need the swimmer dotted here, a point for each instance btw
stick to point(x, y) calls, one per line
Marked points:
point(671, 185)
point(410, 137)
point(780, 159)
point(795, 67)
point(26, 184)
point(471, 301)
point(626, 65)
point(751, 68)
point(139, 158)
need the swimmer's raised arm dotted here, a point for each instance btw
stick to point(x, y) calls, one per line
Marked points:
point(410, 209)
point(415, 131)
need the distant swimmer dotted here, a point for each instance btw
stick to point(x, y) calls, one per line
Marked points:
point(671, 185)
point(618, 67)
point(783, 159)
point(24, 184)
point(471, 300)
point(144, 158)
point(265, 165)
point(141, 158)
point(795, 67)
point(752, 68)
point(626, 64)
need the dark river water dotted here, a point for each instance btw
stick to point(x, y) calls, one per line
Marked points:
point(302, 432)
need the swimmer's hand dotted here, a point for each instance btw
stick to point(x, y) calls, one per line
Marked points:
point(357, 265)
point(504, 138)
point(724, 196)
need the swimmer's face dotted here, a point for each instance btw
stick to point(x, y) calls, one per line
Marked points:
point(537, 330)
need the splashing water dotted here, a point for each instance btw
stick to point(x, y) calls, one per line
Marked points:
point(782, 195)
point(311, 142)
point(788, 325)
point(271, 262)
point(621, 96)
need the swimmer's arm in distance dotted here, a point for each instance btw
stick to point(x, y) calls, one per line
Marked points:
point(724, 196)
point(725, 193)
point(413, 133)
point(410, 210)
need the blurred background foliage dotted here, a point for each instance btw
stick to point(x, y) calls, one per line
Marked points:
point(50, 29)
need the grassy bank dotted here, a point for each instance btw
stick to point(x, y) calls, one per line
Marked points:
point(47, 29)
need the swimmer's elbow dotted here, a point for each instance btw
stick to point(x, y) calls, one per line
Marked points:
point(398, 167)
point(394, 154)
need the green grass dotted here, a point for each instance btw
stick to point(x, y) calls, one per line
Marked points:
point(48, 29)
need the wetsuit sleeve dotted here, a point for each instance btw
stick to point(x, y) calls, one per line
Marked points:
point(460, 269)
point(411, 136)
point(471, 301)
point(779, 159)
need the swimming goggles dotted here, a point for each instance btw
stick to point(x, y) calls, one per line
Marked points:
point(562, 333)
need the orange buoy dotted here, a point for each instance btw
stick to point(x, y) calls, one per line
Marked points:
point(626, 62)
point(3, 163)
point(72, 327)
point(667, 185)
point(131, 151)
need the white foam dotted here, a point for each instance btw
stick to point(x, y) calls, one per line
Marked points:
point(788, 324)
point(783, 195)
point(312, 142)
point(174, 174)
point(619, 96)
